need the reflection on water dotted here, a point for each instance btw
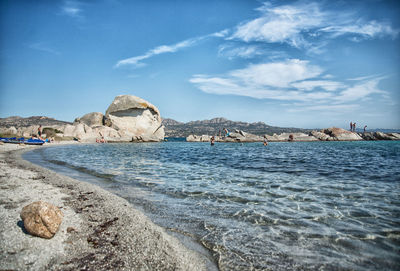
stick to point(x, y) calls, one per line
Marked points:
point(287, 206)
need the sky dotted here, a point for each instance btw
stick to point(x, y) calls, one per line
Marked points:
point(306, 64)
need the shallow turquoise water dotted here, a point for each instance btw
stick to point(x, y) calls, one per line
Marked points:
point(287, 206)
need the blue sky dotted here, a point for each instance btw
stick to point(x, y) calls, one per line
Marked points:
point(310, 64)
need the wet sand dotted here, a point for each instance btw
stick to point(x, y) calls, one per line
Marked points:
point(100, 231)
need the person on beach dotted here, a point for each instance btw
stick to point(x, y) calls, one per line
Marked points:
point(354, 127)
point(226, 132)
point(40, 132)
point(212, 141)
point(351, 126)
point(365, 128)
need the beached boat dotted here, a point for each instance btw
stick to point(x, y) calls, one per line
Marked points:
point(22, 140)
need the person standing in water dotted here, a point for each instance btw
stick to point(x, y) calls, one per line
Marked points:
point(212, 141)
point(265, 141)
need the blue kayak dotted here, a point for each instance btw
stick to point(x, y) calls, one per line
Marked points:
point(22, 140)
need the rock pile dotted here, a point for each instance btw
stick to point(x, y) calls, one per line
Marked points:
point(127, 119)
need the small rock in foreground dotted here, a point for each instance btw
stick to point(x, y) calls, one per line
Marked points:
point(41, 219)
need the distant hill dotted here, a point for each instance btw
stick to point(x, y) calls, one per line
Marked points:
point(17, 121)
point(174, 128)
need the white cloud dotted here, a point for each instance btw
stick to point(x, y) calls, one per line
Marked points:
point(361, 91)
point(281, 24)
point(301, 23)
point(267, 80)
point(290, 80)
point(72, 8)
point(277, 74)
point(221, 34)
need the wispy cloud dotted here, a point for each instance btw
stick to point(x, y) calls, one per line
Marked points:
point(370, 29)
point(291, 80)
point(136, 60)
point(301, 24)
point(72, 9)
point(40, 46)
point(361, 90)
point(248, 51)
point(314, 84)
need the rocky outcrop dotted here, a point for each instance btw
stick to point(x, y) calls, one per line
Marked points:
point(341, 134)
point(320, 136)
point(241, 136)
point(128, 119)
point(91, 119)
point(136, 118)
point(41, 219)
point(237, 136)
point(195, 138)
point(329, 134)
point(291, 137)
point(8, 131)
point(383, 136)
point(367, 136)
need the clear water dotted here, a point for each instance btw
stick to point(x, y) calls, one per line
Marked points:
point(287, 206)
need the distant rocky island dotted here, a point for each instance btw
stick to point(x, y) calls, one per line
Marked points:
point(202, 131)
point(214, 126)
point(329, 134)
point(132, 119)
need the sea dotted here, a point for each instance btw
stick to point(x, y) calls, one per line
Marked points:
point(285, 206)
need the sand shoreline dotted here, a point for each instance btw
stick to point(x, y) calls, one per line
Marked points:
point(108, 233)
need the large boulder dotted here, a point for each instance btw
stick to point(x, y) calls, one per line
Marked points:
point(341, 134)
point(395, 136)
point(383, 136)
point(9, 131)
point(320, 135)
point(368, 136)
point(41, 219)
point(134, 117)
point(91, 119)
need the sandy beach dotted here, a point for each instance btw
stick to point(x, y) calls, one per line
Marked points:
point(99, 231)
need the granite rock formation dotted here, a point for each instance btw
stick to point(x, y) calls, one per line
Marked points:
point(91, 119)
point(340, 134)
point(136, 118)
point(41, 219)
